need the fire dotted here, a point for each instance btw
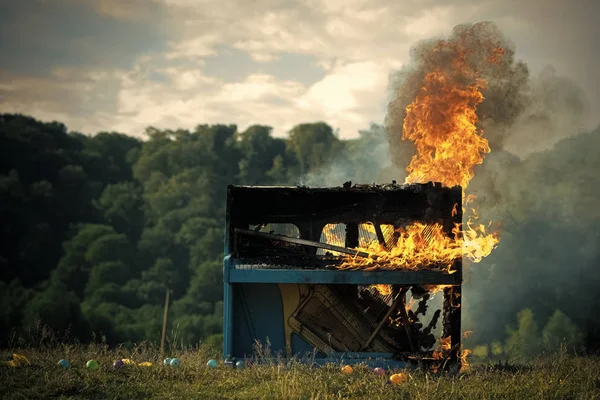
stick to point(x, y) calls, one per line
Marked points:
point(332, 237)
point(463, 359)
point(417, 245)
point(442, 124)
point(420, 245)
point(444, 346)
point(383, 289)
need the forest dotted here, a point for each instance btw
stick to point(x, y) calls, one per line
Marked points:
point(96, 227)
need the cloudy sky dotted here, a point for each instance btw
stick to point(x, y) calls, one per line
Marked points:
point(127, 64)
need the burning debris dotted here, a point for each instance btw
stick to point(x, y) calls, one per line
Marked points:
point(436, 110)
point(414, 232)
point(297, 234)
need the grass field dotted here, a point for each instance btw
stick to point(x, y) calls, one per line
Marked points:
point(557, 377)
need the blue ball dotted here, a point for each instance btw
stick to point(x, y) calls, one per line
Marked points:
point(239, 364)
point(175, 362)
point(64, 363)
point(212, 363)
point(167, 361)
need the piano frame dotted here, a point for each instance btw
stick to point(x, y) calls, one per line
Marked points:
point(262, 293)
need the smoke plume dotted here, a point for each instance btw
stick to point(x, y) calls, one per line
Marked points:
point(540, 180)
point(488, 55)
point(532, 180)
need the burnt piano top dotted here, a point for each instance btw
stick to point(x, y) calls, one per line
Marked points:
point(250, 208)
point(261, 204)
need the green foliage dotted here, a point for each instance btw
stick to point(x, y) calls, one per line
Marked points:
point(44, 305)
point(96, 229)
point(261, 156)
point(560, 331)
point(313, 145)
point(122, 206)
point(525, 340)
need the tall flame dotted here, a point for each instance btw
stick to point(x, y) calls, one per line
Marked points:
point(442, 124)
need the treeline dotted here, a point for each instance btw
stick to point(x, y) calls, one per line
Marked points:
point(95, 228)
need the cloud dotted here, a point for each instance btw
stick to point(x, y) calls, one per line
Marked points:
point(82, 97)
point(232, 65)
point(127, 65)
point(130, 10)
point(349, 97)
point(187, 96)
point(38, 36)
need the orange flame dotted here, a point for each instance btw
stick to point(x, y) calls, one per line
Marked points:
point(441, 122)
point(463, 359)
point(426, 246)
point(332, 237)
point(444, 346)
point(383, 289)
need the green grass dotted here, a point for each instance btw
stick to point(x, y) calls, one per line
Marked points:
point(557, 377)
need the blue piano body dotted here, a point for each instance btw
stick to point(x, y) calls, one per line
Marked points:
point(285, 296)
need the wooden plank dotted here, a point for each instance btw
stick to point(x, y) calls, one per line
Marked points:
point(304, 242)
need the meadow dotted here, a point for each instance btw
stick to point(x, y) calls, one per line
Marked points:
point(560, 376)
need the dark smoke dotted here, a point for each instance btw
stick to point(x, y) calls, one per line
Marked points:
point(540, 180)
point(507, 94)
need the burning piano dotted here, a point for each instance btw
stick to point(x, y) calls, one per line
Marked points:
point(363, 273)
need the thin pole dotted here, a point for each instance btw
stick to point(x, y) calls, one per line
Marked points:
point(164, 326)
point(304, 242)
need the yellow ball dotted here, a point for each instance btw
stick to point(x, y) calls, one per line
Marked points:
point(346, 369)
point(398, 378)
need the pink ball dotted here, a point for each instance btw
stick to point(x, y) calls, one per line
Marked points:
point(379, 371)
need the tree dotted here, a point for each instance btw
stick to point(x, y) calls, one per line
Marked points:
point(122, 207)
point(258, 153)
point(313, 145)
point(561, 331)
point(58, 308)
point(524, 342)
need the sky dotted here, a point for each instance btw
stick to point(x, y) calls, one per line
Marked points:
point(114, 65)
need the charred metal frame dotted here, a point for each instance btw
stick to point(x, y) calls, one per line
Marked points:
point(249, 267)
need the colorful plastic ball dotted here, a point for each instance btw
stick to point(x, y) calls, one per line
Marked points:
point(398, 378)
point(174, 362)
point(167, 361)
point(239, 364)
point(212, 363)
point(379, 371)
point(64, 363)
point(92, 364)
point(118, 363)
point(346, 369)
